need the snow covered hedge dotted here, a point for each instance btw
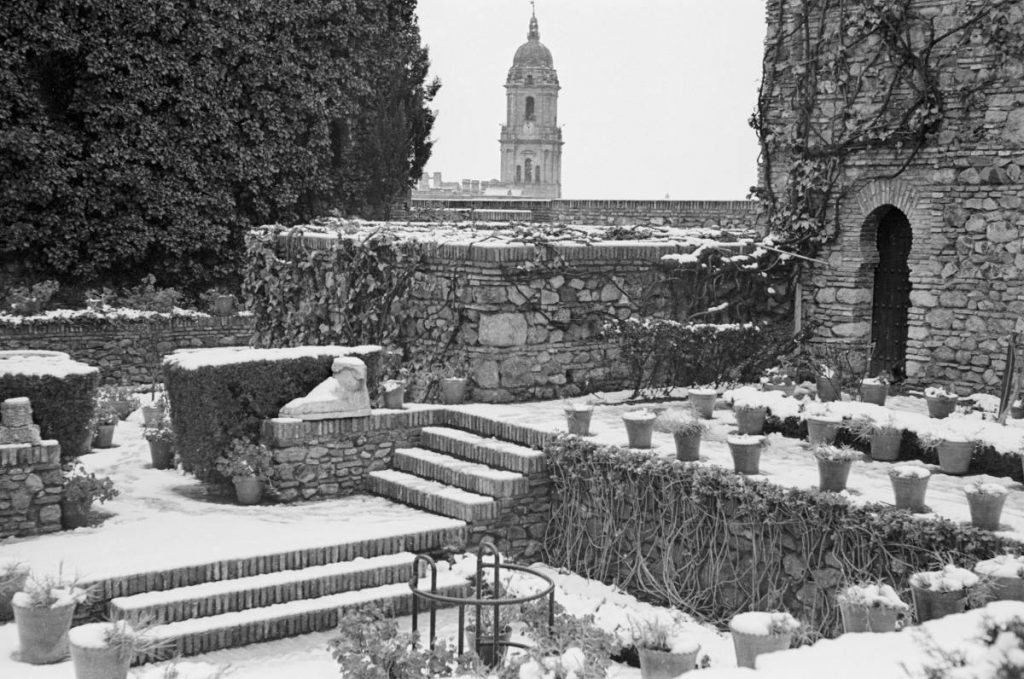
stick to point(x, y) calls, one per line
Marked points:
point(218, 395)
point(714, 543)
point(62, 392)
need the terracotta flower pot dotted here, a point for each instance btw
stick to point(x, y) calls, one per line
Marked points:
point(955, 456)
point(822, 429)
point(985, 510)
point(104, 436)
point(13, 583)
point(750, 420)
point(453, 390)
point(832, 475)
point(885, 445)
point(749, 646)
point(940, 407)
point(74, 514)
point(96, 662)
point(827, 390)
point(578, 421)
point(161, 452)
point(930, 605)
point(703, 401)
point(746, 456)
point(1005, 575)
point(394, 399)
point(248, 490)
point(910, 492)
point(687, 446)
point(859, 618)
point(638, 431)
point(874, 393)
point(152, 414)
point(43, 633)
point(665, 665)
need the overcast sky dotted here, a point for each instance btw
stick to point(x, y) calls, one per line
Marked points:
point(655, 93)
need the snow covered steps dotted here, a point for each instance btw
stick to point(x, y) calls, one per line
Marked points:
point(488, 451)
point(276, 621)
point(471, 476)
point(432, 496)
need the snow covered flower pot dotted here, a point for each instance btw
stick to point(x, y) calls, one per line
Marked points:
point(941, 403)
point(664, 647)
point(986, 502)
point(248, 465)
point(954, 450)
point(13, 575)
point(870, 608)
point(42, 613)
point(453, 390)
point(749, 418)
point(881, 432)
point(703, 401)
point(639, 427)
point(577, 418)
point(746, 452)
point(394, 394)
point(827, 387)
point(104, 436)
point(940, 593)
point(102, 650)
point(874, 390)
point(823, 428)
point(756, 633)
point(686, 428)
point(1005, 575)
point(909, 485)
point(834, 466)
point(153, 412)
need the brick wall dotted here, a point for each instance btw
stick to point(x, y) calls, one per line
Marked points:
point(126, 351)
point(30, 488)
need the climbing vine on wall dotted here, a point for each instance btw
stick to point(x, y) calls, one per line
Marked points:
point(845, 77)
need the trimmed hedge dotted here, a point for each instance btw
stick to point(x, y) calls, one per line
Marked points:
point(715, 543)
point(213, 404)
point(62, 406)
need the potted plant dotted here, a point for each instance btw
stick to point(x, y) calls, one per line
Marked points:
point(105, 650)
point(986, 503)
point(639, 426)
point(827, 381)
point(1005, 575)
point(248, 465)
point(834, 466)
point(577, 417)
point(80, 490)
point(822, 427)
point(664, 647)
point(875, 389)
point(870, 607)
point(746, 452)
point(154, 411)
point(13, 575)
point(756, 633)
point(161, 443)
point(43, 610)
point(954, 449)
point(909, 485)
point(940, 402)
point(881, 433)
point(749, 417)
point(703, 401)
point(121, 399)
point(942, 592)
point(106, 423)
point(777, 379)
point(394, 394)
point(484, 643)
point(454, 382)
point(686, 428)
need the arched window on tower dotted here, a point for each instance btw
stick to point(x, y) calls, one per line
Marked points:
point(519, 173)
point(528, 170)
point(529, 80)
point(529, 108)
point(536, 175)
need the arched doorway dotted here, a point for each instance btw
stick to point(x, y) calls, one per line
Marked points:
point(891, 298)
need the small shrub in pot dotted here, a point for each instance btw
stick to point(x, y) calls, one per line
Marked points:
point(942, 592)
point(81, 488)
point(986, 502)
point(834, 463)
point(757, 633)
point(909, 485)
point(881, 432)
point(639, 426)
point(664, 647)
point(249, 466)
point(870, 607)
point(43, 610)
point(686, 428)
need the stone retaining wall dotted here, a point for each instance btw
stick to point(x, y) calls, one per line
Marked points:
point(30, 489)
point(127, 352)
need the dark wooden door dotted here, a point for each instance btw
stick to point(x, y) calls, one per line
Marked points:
point(891, 295)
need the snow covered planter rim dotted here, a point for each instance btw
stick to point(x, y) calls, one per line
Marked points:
point(982, 488)
point(641, 415)
point(765, 623)
point(950, 579)
point(940, 393)
point(747, 440)
point(1002, 566)
point(872, 595)
point(909, 471)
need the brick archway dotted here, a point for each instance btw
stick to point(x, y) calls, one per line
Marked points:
point(876, 194)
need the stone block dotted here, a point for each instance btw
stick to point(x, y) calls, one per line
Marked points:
point(503, 330)
point(1001, 232)
point(853, 295)
point(516, 372)
point(923, 298)
point(856, 329)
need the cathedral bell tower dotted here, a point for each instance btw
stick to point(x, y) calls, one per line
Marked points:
point(531, 141)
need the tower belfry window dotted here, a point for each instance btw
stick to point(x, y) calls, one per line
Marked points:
point(529, 80)
point(529, 108)
point(528, 170)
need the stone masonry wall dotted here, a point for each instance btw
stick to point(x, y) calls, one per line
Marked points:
point(30, 489)
point(126, 351)
point(962, 194)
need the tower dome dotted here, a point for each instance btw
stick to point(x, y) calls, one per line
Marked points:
point(532, 54)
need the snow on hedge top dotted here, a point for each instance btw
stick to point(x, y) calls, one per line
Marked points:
point(42, 364)
point(195, 359)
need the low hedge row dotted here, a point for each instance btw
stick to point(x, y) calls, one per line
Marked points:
point(62, 405)
point(714, 543)
point(213, 404)
point(985, 460)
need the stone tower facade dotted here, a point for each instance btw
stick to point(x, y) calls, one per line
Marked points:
point(531, 141)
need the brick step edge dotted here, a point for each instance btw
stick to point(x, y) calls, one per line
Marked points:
point(227, 631)
point(229, 569)
point(472, 476)
point(208, 599)
point(476, 448)
point(432, 496)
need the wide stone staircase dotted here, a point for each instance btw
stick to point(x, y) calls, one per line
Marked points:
point(459, 474)
point(229, 603)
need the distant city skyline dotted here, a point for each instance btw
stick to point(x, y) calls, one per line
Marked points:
point(655, 93)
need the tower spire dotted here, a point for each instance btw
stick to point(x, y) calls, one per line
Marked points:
point(534, 33)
